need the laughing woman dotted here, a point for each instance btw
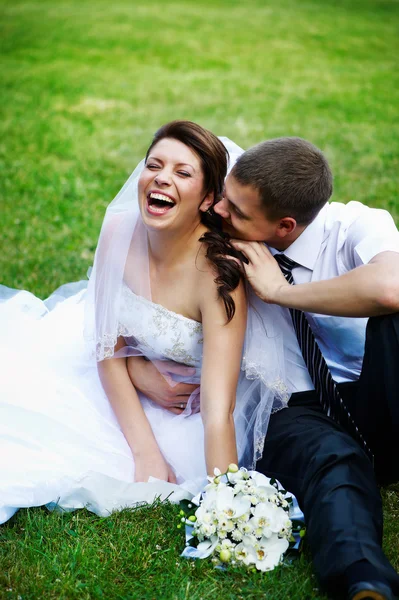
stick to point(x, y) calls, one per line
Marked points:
point(160, 288)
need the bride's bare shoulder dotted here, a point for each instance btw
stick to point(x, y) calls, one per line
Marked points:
point(205, 268)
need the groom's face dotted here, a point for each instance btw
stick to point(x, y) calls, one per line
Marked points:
point(243, 215)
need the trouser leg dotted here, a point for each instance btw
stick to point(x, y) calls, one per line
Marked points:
point(334, 483)
point(377, 400)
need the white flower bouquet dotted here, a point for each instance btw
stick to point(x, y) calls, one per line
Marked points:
point(242, 517)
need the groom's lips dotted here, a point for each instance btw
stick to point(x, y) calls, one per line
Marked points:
point(226, 227)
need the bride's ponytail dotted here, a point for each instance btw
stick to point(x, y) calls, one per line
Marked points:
point(229, 272)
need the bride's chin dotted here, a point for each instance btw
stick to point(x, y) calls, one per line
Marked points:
point(158, 222)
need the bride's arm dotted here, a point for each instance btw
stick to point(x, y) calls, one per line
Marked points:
point(223, 344)
point(132, 419)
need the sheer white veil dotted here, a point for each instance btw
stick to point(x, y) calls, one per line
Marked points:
point(122, 237)
point(121, 258)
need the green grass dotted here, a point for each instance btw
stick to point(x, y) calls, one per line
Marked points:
point(133, 555)
point(85, 84)
point(83, 87)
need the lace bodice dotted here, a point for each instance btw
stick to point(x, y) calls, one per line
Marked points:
point(157, 332)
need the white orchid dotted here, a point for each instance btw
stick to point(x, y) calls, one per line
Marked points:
point(226, 523)
point(261, 480)
point(242, 553)
point(250, 539)
point(268, 553)
point(270, 516)
point(232, 506)
point(261, 527)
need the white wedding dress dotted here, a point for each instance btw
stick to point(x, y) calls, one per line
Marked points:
point(60, 443)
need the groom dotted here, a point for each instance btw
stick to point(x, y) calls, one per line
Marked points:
point(343, 367)
point(344, 415)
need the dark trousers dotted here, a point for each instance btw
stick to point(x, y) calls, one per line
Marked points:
point(329, 473)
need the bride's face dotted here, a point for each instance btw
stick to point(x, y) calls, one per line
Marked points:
point(171, 187)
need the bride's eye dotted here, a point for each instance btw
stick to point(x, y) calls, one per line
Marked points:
point(184, 173)
point(152, 166)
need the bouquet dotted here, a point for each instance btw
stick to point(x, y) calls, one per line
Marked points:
point(242, 517)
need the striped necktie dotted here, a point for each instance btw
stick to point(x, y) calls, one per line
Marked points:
point(325, 386)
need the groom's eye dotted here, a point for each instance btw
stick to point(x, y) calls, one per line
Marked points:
point(238, 213)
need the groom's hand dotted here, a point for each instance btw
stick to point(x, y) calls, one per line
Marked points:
point(262, 270)
point(154, 381)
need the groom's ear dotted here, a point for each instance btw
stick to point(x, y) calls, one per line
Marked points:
point(207, 202)
point(286, 226)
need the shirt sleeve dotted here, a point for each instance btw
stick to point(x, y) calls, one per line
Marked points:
point(372, 232)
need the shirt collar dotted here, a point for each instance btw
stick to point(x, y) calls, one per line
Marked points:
point(306, 247)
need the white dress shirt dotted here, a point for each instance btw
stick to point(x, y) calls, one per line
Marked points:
point(341, 238)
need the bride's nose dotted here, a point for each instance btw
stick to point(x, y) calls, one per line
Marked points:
point(162, 178)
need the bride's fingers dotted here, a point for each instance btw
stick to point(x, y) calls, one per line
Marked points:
point(171, 475)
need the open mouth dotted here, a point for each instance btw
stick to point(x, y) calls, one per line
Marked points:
point(159, 204)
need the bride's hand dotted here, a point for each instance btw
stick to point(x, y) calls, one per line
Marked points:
point(153, 465)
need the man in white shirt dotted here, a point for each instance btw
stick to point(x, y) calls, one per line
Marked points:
point(344, 262)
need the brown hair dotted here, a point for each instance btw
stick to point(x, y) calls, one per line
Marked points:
point(292, 176)
point(214, 158)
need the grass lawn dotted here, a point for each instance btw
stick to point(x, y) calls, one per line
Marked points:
point(83, 87)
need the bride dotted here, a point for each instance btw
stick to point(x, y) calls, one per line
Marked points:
point(160, 288)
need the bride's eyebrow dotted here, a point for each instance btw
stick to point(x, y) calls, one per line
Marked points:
point(183, 164)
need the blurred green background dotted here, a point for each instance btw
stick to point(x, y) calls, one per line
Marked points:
point(84, 85)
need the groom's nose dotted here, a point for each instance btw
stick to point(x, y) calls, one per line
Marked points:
point(221, 208)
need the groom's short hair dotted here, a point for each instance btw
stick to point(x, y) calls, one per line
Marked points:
point(291, 175)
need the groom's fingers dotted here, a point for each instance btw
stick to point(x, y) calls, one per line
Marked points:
point(175, 410)
point(183, 390)
point(240, 265)
point(169, 366)
point(249, 249)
